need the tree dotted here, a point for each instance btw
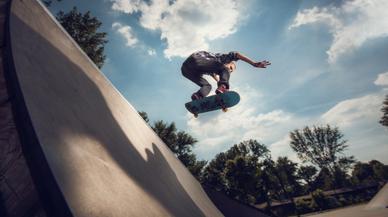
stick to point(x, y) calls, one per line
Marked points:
point(384, 119)
point(214, 173)
point(307, 173)
point(372, 172)
point(380, 171)
point(242, 176)
point(83, 28)
point(269, 183)
point(362, 173)
point(286, 174)
point(324, 180)
point(237, 171)
point(321, 146)
point(144, 115)
point(180, 143)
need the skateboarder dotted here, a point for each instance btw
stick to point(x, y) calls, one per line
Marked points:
point(217, 65)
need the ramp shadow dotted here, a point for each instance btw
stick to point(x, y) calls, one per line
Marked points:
point(72, 102)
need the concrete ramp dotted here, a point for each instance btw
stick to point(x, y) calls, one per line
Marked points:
point(88, 150)
point(380, 200)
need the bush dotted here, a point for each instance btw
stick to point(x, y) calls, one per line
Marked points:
point(332, 202)
point(319, 199)
point(343, 201)
point(303, 206)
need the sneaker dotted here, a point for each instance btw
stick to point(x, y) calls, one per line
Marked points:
point(221, 89)
point(195, 96)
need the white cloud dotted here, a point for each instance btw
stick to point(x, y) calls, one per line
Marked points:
point(351, 24)
point(151, 52)
point(382, 79)
point(127, 6)
point(314, 15)
point(127, 33)
point(187, 25)
point(357, 111)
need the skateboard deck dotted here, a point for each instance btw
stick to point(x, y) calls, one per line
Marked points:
point(214, 102)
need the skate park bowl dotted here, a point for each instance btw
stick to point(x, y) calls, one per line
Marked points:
point(88, 150)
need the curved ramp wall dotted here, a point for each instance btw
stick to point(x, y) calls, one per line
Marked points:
point(89, 151)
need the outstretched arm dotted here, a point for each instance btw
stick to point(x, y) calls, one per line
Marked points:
point(261, 64)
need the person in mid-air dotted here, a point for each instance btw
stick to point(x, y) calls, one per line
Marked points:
point(217, 65)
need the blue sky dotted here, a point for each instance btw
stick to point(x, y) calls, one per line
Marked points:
point(329, 66)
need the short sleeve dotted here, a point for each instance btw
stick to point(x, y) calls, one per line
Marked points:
point(232, 56)
point(227, 58)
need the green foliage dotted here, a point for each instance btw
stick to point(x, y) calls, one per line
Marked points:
point(369, 173)
point(340, 178)
point(324, 180)
point(319, 199)
point(304, 205)
point(321, 146)
point(83, 28)
point(384, 109)
point(181, 143)
point(324, 146)
point(307, 173)
point(144, 115)
point(214, 172)
point(380, 170)
point(238, 171)
point(242, 176)
point(286, 172)
point(362, 173)
point(332, 202)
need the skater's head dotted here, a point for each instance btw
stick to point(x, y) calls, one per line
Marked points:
point(231, 66)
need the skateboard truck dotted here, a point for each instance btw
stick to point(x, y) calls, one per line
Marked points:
point(221, 102)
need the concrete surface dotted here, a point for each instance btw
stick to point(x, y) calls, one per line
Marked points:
point(377, 207)
point(90, 152)
point(353, 211)
point(380, 200)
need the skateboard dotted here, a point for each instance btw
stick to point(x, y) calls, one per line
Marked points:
point(210, 103)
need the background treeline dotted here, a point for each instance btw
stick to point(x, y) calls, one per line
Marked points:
point(326, 177)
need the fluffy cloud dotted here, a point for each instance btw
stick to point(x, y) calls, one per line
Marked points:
point(355, 112)
point(358, 119)
point(127, 6)
point(151, 52)
point(126, 32)
point(358, 112)
point(351, 24)
point(187, 25)
point(382, 79)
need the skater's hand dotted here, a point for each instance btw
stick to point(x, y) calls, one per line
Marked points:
point(262, 64)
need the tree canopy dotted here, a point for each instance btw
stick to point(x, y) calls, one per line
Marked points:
point(384, 109)
point(83, 28)
point(322, 146)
